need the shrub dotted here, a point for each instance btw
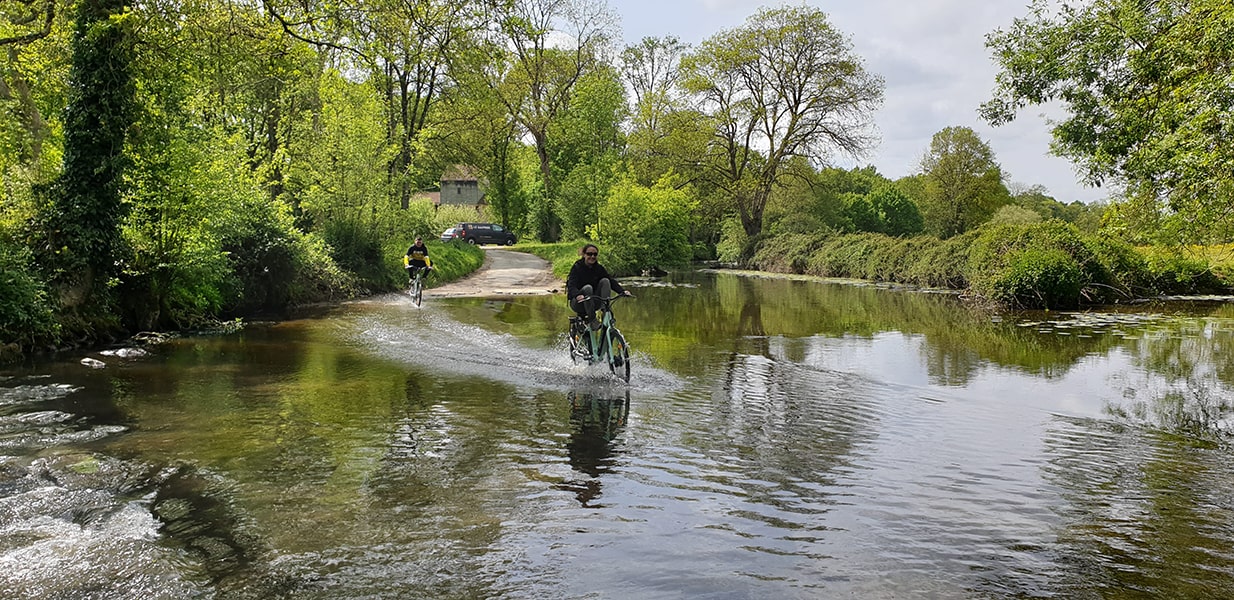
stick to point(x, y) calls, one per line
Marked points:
point(1004, 259)
point(940, 263)
point(1176, 274)
point(645, 227)
point(26, 316)
point(356, 246)
point(786, 253)
point(1038, 277)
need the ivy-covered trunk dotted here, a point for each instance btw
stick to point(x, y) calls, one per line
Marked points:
point(82, 217)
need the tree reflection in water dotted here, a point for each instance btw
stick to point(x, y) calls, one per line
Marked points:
point(595, 420)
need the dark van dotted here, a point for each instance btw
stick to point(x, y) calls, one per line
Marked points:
point(484, 233)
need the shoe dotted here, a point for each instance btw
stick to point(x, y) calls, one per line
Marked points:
point(594, 324)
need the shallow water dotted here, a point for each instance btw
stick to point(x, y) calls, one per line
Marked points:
point(778, 439)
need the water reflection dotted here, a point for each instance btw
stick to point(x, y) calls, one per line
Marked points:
point(779, 439)
point(595, 422)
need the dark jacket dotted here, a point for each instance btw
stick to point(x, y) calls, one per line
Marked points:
point(581, 275)
point(416, 256)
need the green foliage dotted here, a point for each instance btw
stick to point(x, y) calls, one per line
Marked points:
point(1037, 278)
point(1174, 273)
point(897, 212)
point(81, 221)
point(962, 182)
point(587, 147)
point(1128, 269)
point(340, 153)
point(786, 253)
point(860, 215)
point(1147, 105)
point(357, 248)
point(1014, 215)
point(733, 241)
point(788, 66)
point(26, 311)
point(645, 227)
point(1041, 265)
point(273, 264)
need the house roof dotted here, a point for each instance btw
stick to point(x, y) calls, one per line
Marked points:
point(434, 197)
point(459, 173)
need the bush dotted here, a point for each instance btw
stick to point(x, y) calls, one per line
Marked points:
point(356, 246)
point(26, 315)
point(1176, 274)
point(1040, 265)
point(786, 253)
point(1037, 277)
point(645, 227)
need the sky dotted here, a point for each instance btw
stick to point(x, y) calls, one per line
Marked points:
point(937, 71)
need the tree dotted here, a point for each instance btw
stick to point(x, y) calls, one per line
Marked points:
point(482, 133)
point(785, 84)
point(82, 220)
point(535, 78)
point(413, 51)
point(32, 78)
point(1146, 86)
point(963, 183)
point(587, 148)
point(651, 68)
point(897, 211)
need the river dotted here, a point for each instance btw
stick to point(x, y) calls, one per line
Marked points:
point(778, 439)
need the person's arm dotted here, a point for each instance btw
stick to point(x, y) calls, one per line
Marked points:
point(573, 288)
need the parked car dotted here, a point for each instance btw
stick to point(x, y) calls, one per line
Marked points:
point(485, 233)
point(449, 234)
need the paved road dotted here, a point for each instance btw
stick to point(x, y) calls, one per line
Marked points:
point(504, 273)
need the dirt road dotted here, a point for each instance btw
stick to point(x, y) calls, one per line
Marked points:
point(504, 273)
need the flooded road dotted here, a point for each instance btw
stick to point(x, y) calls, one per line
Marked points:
point(778, 439)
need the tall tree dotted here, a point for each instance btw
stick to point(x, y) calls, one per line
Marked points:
point(82, 220)
point(963, 183)
point(587, 147)
point(651, 69)
point(413, 48)
point(1149, 94)
point(551, 45)
point(785, 84)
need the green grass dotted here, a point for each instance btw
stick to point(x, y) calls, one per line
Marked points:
point(561, 254)
point(451, 261)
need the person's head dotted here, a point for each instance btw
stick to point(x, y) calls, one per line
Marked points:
point(590, 254)
point(419, 241)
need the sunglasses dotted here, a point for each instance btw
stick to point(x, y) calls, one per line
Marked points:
point(592, 253)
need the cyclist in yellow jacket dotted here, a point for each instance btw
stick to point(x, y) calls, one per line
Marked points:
point(416, 259)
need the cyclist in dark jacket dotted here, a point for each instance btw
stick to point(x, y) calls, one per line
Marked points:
point(589, 278)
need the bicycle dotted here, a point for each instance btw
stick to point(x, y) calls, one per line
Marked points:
point(607, 342)
point(417, 284)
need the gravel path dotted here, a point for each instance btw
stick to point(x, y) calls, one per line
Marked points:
point(504, 273)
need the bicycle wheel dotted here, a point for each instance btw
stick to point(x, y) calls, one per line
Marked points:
point(575, 342)
point(417, 289)
point(619, 356)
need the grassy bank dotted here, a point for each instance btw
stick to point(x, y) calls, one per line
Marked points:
point(1040, 265)
point(561, 254)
